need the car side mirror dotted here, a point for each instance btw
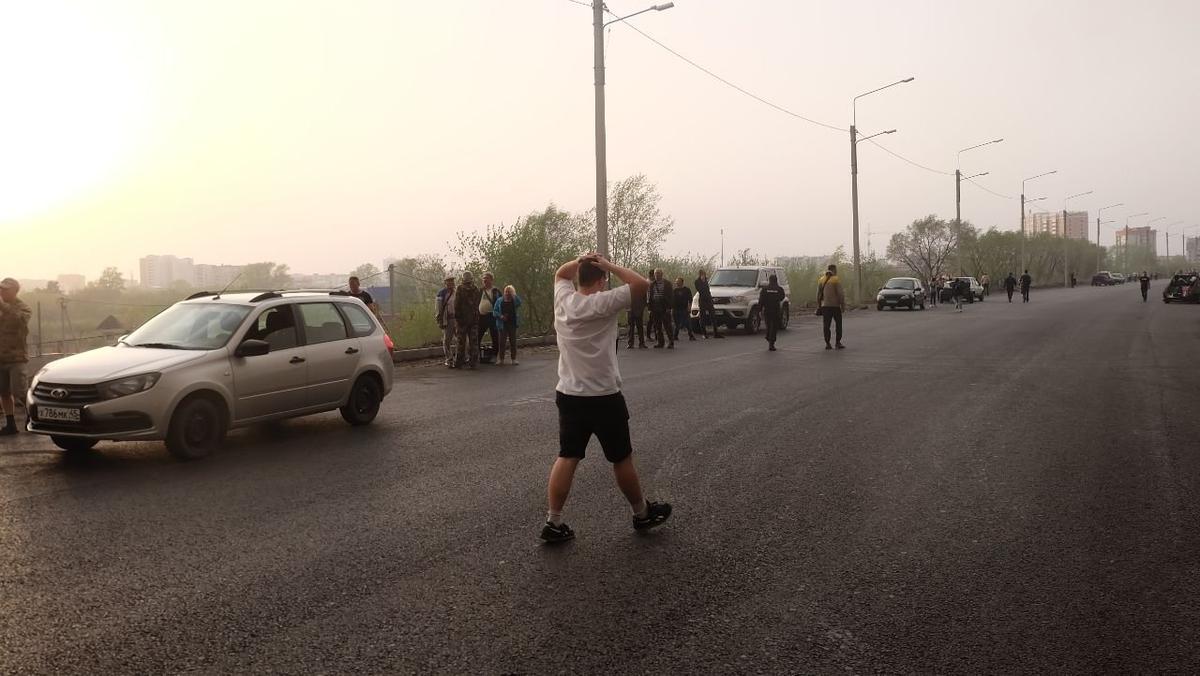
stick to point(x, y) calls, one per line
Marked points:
point(252, 348)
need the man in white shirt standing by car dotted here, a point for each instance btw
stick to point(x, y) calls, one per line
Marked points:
point(588, 394)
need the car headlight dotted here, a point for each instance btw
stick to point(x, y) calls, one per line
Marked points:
point(127, 386)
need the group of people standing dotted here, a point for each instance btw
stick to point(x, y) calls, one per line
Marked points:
point(466, 313)
point(670, 307)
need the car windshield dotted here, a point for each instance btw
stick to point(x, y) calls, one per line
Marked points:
point(190, 326)
point(734, 278)
point(899, 283)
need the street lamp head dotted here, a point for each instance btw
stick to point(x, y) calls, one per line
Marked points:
point(890, 131)
point(998, 140)
point(665, 5)
point(909, 79)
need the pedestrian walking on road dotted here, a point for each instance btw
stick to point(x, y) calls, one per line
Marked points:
point(1026, 282)
point(505, 312)
point(1010, 285)
point(986, 282)
point(770, 299)
point(14, 331)
point(960, 288)
point(466, 312)
point(831, 303)
point(708, 311)
point(444, 314)
point(588, 394)
point(683, 308)
point(1144, 279)
point(662, 298)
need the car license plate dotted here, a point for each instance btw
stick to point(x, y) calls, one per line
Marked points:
point(58, 414)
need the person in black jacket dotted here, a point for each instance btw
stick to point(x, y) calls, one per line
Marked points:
point(708, 312)
point(683, 308)
point(1026, 282)
point(770, 299)
point(1145, 281)
point(1010, 285)
point(637, 319)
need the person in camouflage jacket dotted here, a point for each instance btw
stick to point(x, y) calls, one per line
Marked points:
point(14, 330)
point(466, 313)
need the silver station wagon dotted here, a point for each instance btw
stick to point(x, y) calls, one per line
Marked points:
point(216, 362)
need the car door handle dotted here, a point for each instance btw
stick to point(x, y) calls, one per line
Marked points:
point(296, 360)
point(352, 350)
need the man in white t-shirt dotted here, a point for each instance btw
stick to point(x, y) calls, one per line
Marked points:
point(588, 394)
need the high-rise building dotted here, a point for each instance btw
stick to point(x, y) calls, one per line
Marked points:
point(1191, 249)
point(1144, 237)
point(160, 272)
point(1051, 223)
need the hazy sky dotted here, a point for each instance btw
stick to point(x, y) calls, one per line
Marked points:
point(326, 134)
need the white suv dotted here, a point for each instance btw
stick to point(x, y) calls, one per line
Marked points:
point(735, 296)
point(215, 362)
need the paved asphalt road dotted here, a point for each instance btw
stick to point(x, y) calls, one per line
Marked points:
point(1010, 489)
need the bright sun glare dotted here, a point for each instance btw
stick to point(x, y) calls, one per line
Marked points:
point(72, 106)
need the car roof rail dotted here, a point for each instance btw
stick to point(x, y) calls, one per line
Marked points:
point(266, 296)
point(200, 294)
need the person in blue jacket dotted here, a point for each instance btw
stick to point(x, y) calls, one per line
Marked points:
point(505, 312)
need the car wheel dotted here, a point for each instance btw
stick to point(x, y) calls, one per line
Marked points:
point(74, 444)
point(754, 321)
point(922, 306)
point(785, 318)
point(879, 307)
point(197, 428)
point(364, 401)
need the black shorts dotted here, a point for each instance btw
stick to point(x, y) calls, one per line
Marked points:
point(580, 417)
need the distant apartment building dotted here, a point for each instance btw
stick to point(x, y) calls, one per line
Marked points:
point(1051, 223)
point(1191, 249)
point(215, 277)
point(315, 281)
point(71, 283)
point(1143, 237)
point(160, 272)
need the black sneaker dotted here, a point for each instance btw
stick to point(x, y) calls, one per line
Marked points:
point(560, 533)
point(8, 431)
point(656, 514)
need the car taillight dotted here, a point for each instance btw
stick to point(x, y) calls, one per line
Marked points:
point(387, 342)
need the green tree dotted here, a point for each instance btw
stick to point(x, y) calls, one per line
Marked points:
point(637, 227)
point(366, 273)
point(526, 255)
point(111, 280)
point(264, 276)
point(925, 247)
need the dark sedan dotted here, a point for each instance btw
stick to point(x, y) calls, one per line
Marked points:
point(901, 292)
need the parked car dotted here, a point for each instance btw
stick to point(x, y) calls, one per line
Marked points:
point(901, 292)
point(976, 294)
point(1118, 278)
point(1183, 288)
point(1104, 278)
point(216, 362)
point(735, 296)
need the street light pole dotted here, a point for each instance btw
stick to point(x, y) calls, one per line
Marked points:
point(1100, 251)
point(598, 25)
point(958, 179)
point(854, 180)
point(1023, 263)
point(1066, 248)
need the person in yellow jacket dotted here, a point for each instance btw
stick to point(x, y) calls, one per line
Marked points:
point(831, 303)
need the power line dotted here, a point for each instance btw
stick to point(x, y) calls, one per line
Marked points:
point(989, 190)
point(743, 90)
point(915, 164)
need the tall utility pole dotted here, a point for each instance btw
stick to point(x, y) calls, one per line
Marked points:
point(1100, 250)
point(1023, 263)
point(601, 139)
point(1125, 265)
point(1066, 249)
point(958, 179)
point(854, 180)
point(598, 25)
